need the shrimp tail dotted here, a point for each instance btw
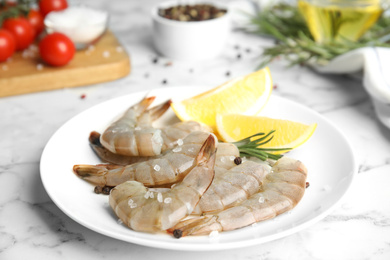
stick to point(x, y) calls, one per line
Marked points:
point(157, 111)
point(207, 150)
point(94, 173)
point(196, 226)
point(144, 104)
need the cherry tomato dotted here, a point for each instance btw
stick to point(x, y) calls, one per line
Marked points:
point(46, 6)
point(56, 49)
point(7, 45)
point(22, 31)
point(36, 20)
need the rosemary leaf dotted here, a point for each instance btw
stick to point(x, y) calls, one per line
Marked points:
point(295, 43)
point(251, 146)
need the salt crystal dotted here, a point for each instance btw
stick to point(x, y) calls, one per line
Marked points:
point(157, 167)
point(159, 197)
point(137, 128)
point(106, 54)
point(39, 66)
point(223, 159)
point(167, 200)
point(179, 142)
point(151, 195)
point(25, 54)
point(33, 47)
point(261, 199)
point(232, 158)
point(147, 195)
point(176, 150)
point(191, 149)
point(130, 202)
point(134, 205)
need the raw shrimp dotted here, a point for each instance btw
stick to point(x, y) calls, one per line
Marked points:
point(167, 169)
point(133, 133)
point(172, 136)
point(281, 191)
point(110, 157)
point(232, 186)
point(152, 210)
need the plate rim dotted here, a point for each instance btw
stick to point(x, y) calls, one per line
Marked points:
point(202, 246)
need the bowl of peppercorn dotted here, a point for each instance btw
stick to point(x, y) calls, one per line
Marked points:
point(190, 32)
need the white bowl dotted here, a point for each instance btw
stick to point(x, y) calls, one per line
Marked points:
point(193, 40)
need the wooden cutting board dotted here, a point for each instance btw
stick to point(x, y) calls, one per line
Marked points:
point(25, 73)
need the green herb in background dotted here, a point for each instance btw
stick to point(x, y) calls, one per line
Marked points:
point(295, 43)
point(14, 9)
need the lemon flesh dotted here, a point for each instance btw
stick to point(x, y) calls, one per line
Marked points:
point(245, 95)
point(288, 134)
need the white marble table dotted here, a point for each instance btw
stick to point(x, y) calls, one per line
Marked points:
point(33, 227)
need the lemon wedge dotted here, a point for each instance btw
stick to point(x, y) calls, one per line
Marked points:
point(288, 134)
point(245, 95)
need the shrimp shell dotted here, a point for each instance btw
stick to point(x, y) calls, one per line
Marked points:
point(109, 157)
point(172, 136)
point(152, 210)
point(281, 191)
point(132, 134)
point(170, 168)
point(232, 186)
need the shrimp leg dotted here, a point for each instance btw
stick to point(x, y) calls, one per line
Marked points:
point(281, 191)
point(152, 210)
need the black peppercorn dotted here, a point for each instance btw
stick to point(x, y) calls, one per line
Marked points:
point(177, 233)
point(98, 189)
point(237, 160)
point(106, 190)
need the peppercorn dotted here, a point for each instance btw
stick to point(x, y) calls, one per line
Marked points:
point(177, 233)
point(237, 160)
point(106, 190)
point(307, 184)
point(98, 189)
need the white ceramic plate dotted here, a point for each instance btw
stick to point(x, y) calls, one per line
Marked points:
point(327, 155)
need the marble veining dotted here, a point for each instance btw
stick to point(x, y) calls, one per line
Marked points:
point(33, 227)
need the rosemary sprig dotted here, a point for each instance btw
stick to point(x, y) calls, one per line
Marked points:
point(15, 9)
point(295, 43)
point(250, 146)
